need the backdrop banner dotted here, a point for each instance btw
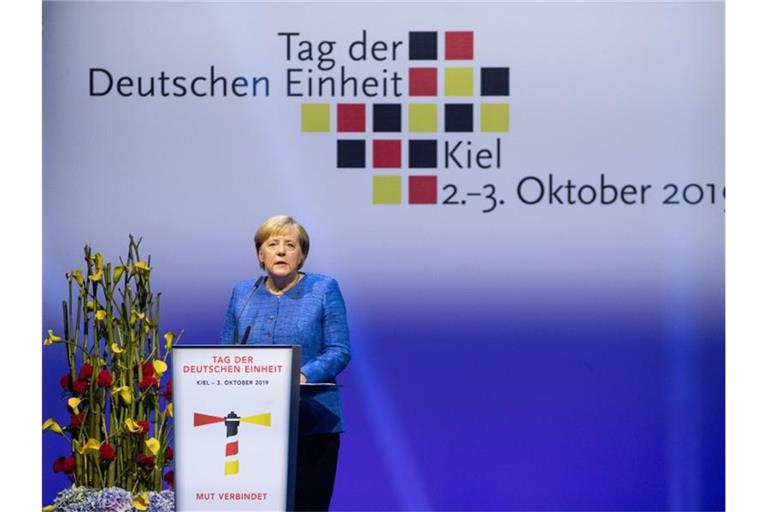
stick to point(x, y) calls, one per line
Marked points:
point(523, 204)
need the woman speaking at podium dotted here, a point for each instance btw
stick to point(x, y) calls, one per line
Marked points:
point(293, 307)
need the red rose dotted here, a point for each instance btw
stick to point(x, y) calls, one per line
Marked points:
point(64, 464)
point(146, 462)
point(169, 478)
point(76, 420)
point(79, 387)
point(168, 393)
point(66, 382)
point(147, 369)
point(144, 424)
point(104, 380)
point(107, 453)
point(58, 464)
point(147, 382)
point(169, 453)
point(85, 372)
point(69, 465)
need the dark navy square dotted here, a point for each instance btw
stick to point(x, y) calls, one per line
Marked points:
point(458, 117)
point(422, 45)
point(422, 154)
point(350, 154)
point(494, 81)
point(386, 117)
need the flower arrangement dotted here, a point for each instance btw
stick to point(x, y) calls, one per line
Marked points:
point(119, 430)
point(112, 499)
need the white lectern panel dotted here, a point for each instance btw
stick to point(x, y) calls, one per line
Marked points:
point(233, 429)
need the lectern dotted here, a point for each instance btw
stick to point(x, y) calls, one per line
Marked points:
point(235, 421)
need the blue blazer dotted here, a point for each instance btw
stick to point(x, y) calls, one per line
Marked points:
point(311, 314)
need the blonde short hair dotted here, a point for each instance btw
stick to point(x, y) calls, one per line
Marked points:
point(279, 224)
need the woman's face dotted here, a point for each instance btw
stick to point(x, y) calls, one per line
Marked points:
point(281, 254)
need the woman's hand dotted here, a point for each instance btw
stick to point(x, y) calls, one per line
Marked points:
point(302, 378)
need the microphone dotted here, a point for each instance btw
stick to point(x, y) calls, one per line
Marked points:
point(236, 336)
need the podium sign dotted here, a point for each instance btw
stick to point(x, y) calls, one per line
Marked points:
point(235, 419)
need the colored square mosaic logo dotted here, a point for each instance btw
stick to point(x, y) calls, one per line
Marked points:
point(315, 117)
point(422, 45)
point(459, 81)
point(494, 117)
point(387, 153)
point(459, 45)
point(422, 154)
point(459, 117)
point(428, 115)
point(350, 117)
point(494, 81)
point(422, 117)
point(387, 190)
point(422, 81)
point(387, 117)
point(422, 189)
point(350, 154)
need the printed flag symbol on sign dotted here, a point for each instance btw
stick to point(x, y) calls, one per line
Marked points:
point(232, 422)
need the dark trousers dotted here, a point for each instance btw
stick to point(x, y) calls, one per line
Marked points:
point(316, 471)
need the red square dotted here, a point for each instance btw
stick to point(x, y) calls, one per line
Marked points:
point(422, 81)
point(386, 153)
point(422, 189)
point(231, 449)
point(350, 117)
point(459, 45)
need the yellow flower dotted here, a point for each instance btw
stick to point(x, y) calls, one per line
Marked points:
point(141, 501)
point(116, 348)
point(73, 403)
point(160, 367)
point(90, 305)
point(169, 409)
point(51, 338)
point(91, 445)
point(50, 424)
point(77, 275)
point(118, 272)
point(136, 315)
point(142, 268)
point(125, 392)
point(98, 259)
point(96, 277)
point(132, 426)
point(168, 340)
point(153, 445)
point(100, 315)
point(49, 508)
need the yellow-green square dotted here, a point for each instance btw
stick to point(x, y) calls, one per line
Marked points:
point(494, 117)
point(315, 117)
point(422, 117)
point(458, 81)
point(386, 190)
